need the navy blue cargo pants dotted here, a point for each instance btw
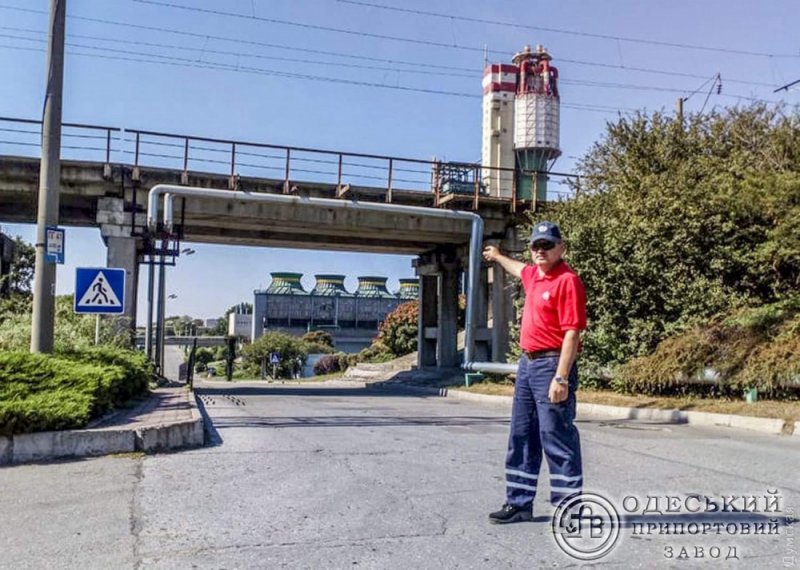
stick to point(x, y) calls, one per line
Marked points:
point(538, 425)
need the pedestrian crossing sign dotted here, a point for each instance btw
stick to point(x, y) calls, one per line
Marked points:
point(100, 290)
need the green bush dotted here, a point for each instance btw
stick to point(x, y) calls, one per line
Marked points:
point(330, 363)
point(286, 346)
point(139, 371)
point(40, 392)
point(204, 355)
point(749, 348)
point(317, 348)
point(398, 331)
point(71, 331)
point(319, 337)
point(675, 223)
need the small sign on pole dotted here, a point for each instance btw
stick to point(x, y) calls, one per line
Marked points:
point(274, 359)
point(54, 245)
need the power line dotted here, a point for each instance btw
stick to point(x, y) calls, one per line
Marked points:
point(205, 50)
point(556, 30)
point(314, 26)
point(450, 68)
point(430, 42)
point(185, 62)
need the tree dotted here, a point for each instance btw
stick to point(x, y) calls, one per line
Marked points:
point(675, 223)
point(398, 331)
point(287, 347)
point(23, 263)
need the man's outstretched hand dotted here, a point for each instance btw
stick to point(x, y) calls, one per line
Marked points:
point(490, 253)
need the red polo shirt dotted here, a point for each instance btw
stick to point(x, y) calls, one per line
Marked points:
point(554, 303)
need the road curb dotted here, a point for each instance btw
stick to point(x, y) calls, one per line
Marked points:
point(604, 412)
point(172, 435)
point(49, 445)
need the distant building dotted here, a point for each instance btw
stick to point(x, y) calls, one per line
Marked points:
point(352, 318)
point(240, 325)
point(211, 323)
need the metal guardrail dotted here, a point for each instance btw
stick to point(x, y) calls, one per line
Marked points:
point(291, 164)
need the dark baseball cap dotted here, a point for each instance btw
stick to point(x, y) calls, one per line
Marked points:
point(547, 231)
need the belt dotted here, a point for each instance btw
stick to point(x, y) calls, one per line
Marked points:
point(533, 354)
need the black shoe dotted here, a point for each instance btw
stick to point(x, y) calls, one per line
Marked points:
point(511, 514)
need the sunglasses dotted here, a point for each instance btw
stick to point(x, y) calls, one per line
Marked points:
point(543, 245)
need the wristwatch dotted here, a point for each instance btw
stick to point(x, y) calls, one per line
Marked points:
point(561, 380)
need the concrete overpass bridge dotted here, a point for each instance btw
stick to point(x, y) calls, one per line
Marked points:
point(106, 173)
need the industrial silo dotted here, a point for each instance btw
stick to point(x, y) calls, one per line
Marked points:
point(536, 122)
point(521, 125)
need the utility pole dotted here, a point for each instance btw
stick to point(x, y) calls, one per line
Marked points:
point(44, 288)
point(679, 110)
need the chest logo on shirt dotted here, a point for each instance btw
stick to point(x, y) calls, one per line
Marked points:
point(546, 295)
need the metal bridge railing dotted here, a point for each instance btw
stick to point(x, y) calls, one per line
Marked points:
point(288, 164)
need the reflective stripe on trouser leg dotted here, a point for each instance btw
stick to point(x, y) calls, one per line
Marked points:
point(524, 455)
point(560, 439)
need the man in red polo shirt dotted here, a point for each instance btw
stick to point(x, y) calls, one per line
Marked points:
point(543, 411)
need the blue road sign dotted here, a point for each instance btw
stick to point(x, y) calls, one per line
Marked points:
point(54, 245)
point(275, 358)
point(100, 290)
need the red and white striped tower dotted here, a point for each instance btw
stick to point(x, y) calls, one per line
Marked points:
point(497, 149)
point(521, 123)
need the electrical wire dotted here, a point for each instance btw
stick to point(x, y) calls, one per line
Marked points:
point(598, 84)
point(455, 17)
point(206, 37)
point(473, 76)
point(186, 62)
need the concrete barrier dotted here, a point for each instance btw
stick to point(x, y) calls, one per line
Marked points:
point(71, 443)
point(176, 435)
point(42, 446)
point(173, 435)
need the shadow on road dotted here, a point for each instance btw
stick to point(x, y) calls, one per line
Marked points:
point(330, 392)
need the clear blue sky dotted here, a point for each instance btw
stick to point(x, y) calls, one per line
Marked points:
point(113, 78)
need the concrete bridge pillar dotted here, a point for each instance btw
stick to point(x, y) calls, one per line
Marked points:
point(428, 315)
point(482, 339)
point(447, 326)
point(123, 251)
point(437, 339)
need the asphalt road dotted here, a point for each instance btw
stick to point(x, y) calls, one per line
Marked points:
point(337, 477)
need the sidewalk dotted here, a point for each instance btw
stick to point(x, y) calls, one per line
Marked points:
point(167, 419)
